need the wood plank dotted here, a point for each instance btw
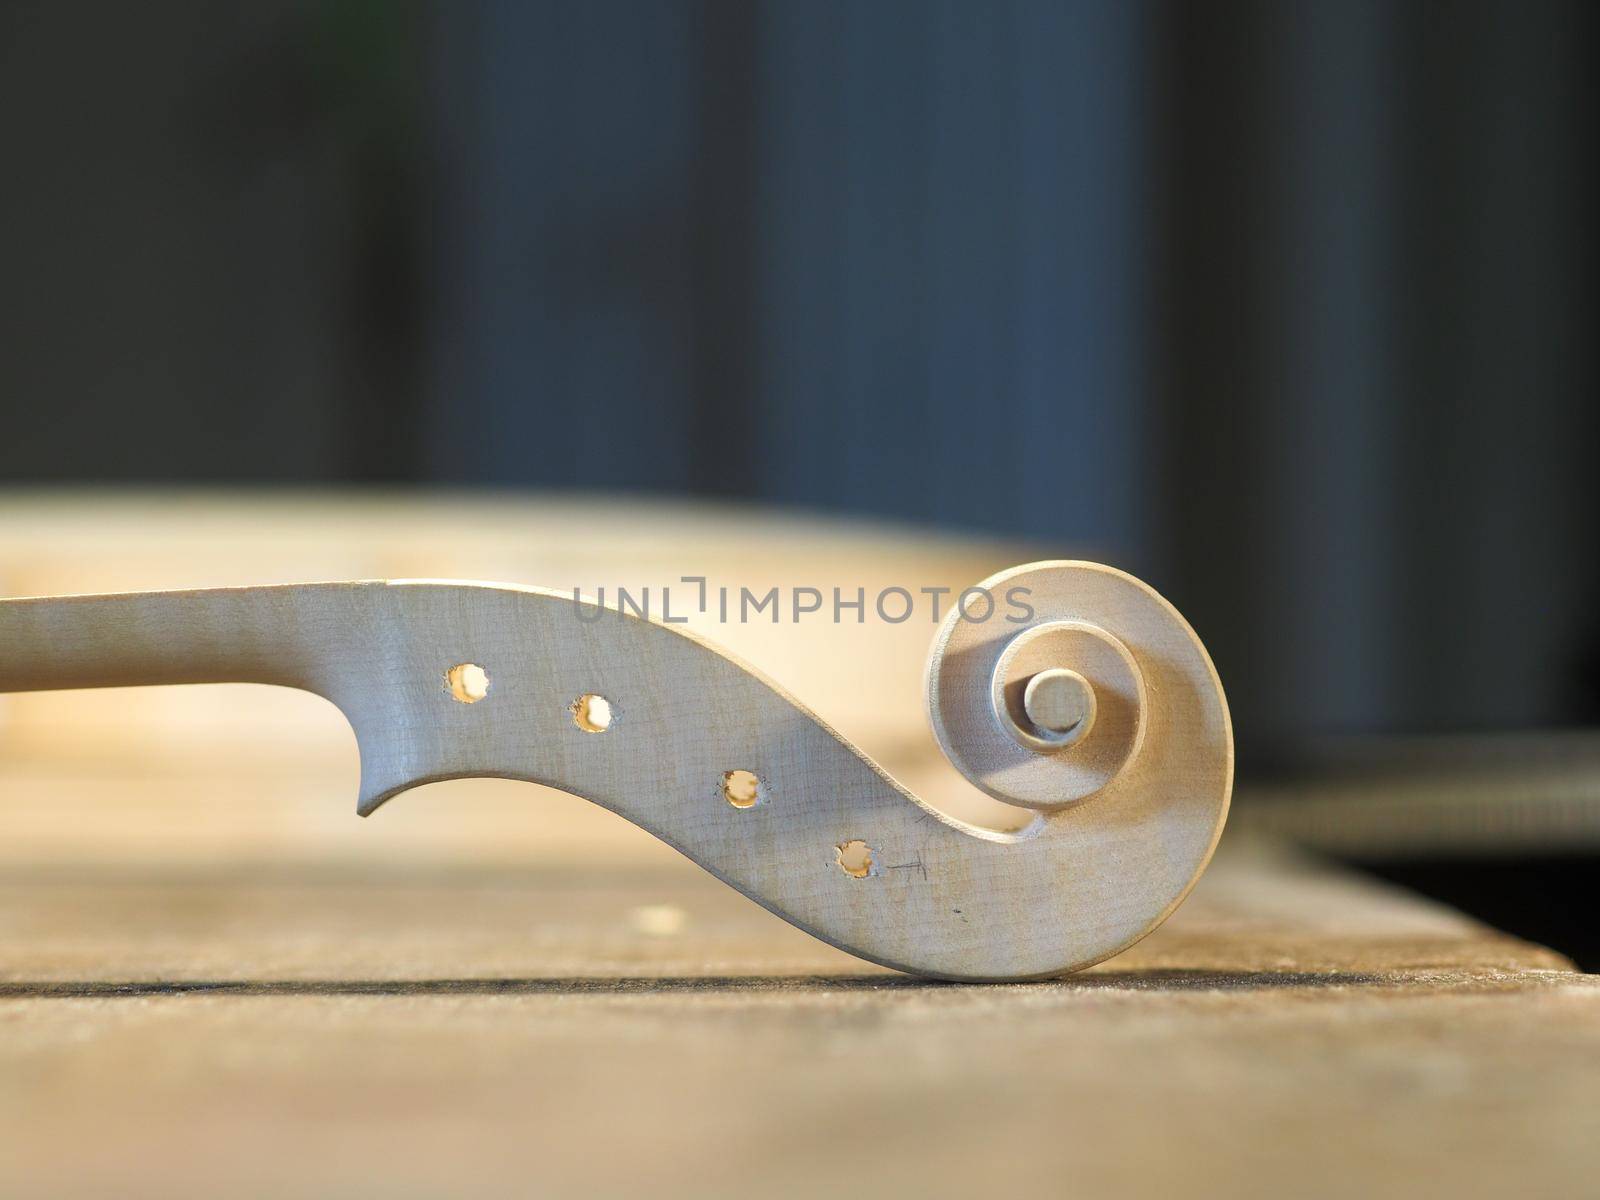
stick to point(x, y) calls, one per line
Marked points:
point(553, 1030)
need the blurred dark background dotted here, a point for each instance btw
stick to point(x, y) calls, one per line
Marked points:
point(1288, 308)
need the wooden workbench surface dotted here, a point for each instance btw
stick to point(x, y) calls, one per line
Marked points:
point(583, 1029)
point(216, 980)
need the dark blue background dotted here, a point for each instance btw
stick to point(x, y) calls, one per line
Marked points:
point(1287, 307)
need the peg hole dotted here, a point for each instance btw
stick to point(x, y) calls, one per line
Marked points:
point(468, 682)
point(742, 789)
point(591, 713)
point(855, 858)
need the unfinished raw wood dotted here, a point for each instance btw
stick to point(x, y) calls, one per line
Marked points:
point(449, 680)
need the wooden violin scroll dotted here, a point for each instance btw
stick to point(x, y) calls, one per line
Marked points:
point(1080, 693)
